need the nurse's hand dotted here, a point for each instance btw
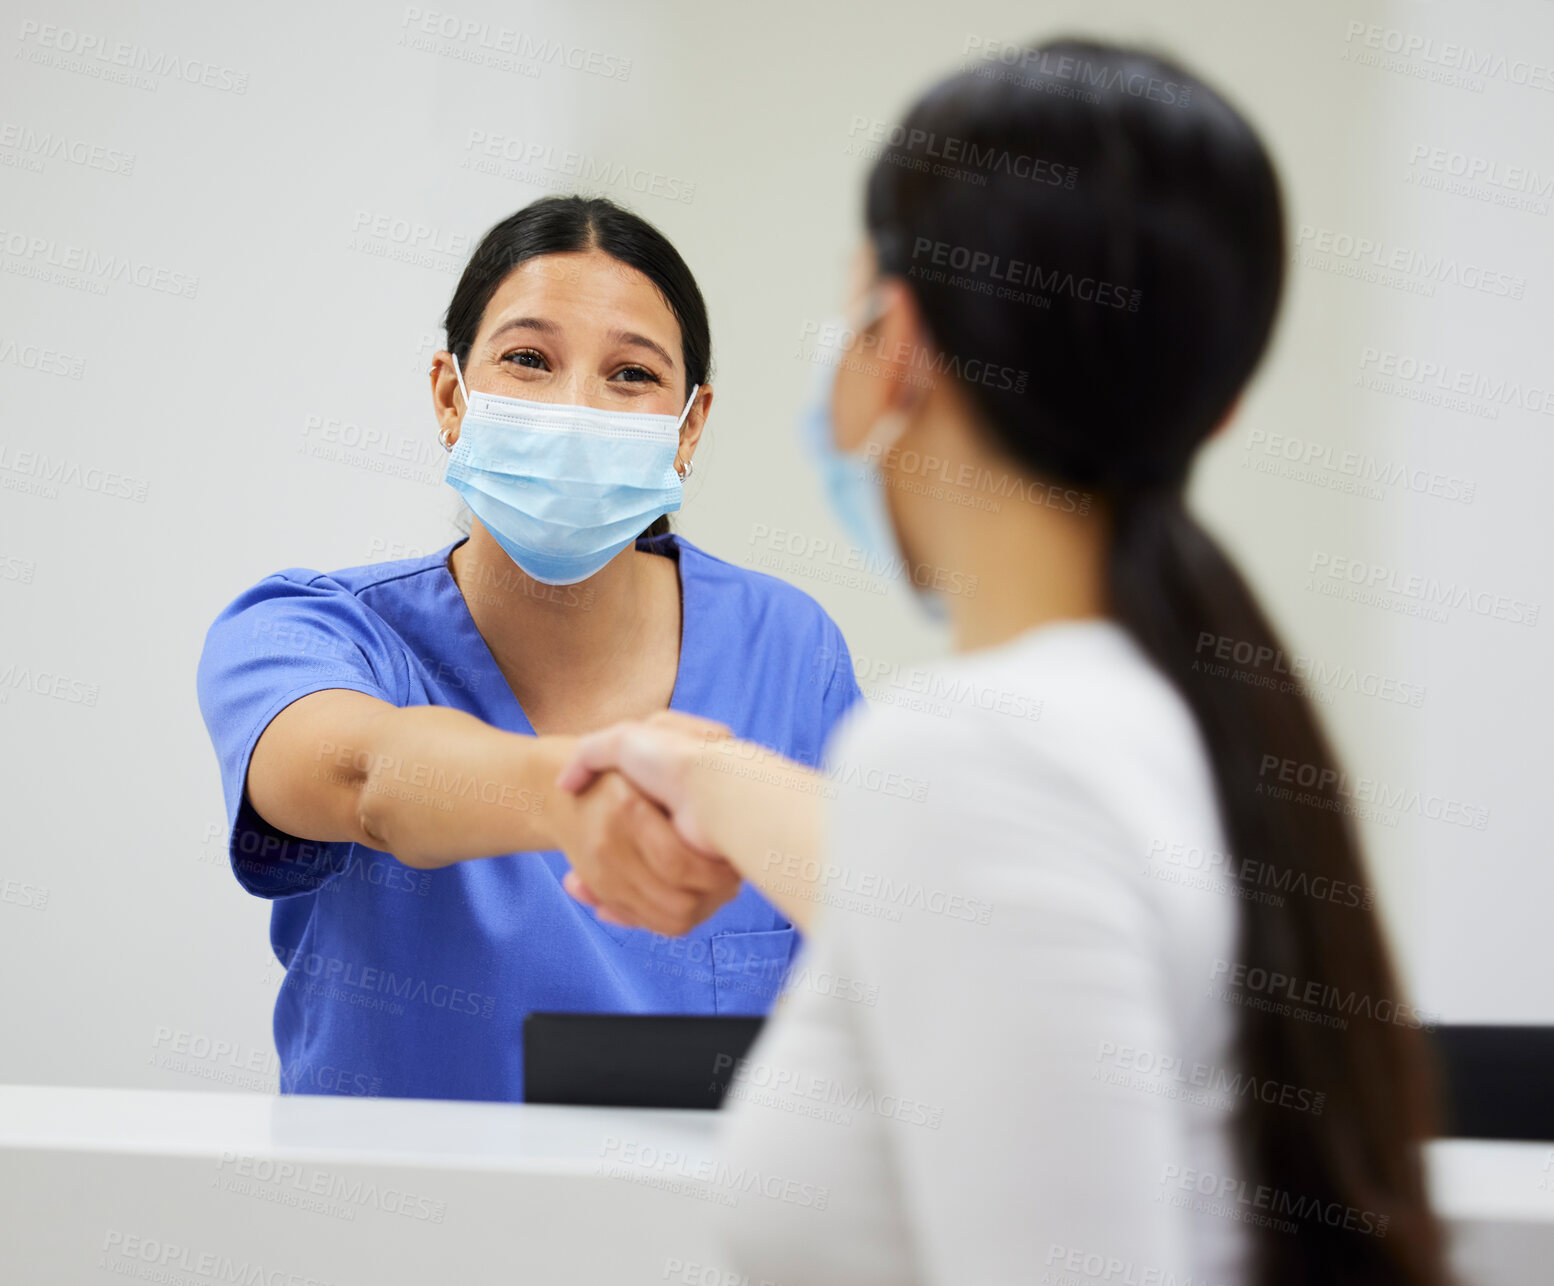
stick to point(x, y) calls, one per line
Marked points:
point(629, 863)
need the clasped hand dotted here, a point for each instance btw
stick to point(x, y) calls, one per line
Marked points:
point(639, 847)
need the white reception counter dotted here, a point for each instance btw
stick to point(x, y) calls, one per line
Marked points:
point(198, 1189)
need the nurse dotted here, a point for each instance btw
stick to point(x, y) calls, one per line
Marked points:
point(390, 735)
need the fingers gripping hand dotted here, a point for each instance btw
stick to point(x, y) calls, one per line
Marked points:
point(632, 867)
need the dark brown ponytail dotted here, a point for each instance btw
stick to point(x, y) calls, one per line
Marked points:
point(1354, 1173)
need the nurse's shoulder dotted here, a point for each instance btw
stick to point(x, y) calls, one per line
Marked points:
point(346, 615)
point(317, 652)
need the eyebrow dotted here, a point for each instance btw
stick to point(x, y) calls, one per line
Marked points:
point(633, 340)
point(527, 323)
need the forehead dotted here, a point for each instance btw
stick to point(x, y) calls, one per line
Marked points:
point(584, 291)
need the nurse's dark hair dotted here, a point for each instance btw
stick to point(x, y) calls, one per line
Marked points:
point(1145, 211)
point(565, 224)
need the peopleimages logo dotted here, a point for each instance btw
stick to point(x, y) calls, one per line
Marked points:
point(1354, 472)
point(876, 886)
point(493, 152)
point(119, 60)
point(621, 1156)
point(1313, 996)
point(965, 153)
point(1332, 786)
point(938, 689)
point(1520, 180)
point(43, 474)
point(843, 346)
point(798, 554)
point(1054, 72)
point(330, 976)
point(1245, 876)
point(293, 1183)
point(1240, 1199)
point(1373, 579)
point(507, 48)
point(1012, 276)
point(45, 361)
point(1419, 378)
point(1168, 1073)
point(1449, 56)
point(15, 677)
point(1366, 255)
point(787, 1083)
point(62, 147)
point(87, 268)
point(151, 1259)
point(1248, 656)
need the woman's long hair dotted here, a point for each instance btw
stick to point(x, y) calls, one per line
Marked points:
point(1100, 219)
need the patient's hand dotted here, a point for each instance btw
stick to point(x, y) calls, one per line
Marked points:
point(630, 864)
point(650, 863)
point(724, 796)
point(660, 756)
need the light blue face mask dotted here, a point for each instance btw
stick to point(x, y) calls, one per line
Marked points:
point(854, 485)
point(561, 488)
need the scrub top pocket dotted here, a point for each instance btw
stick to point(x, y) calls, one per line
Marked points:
point(734, 971)
point(749, 968)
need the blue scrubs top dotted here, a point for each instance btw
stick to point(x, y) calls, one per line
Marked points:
point(414, 984)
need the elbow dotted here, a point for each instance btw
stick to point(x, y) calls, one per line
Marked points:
point(373, 811)
point(380, 824)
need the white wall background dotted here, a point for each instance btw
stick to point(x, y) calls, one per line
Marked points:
point(286, 190)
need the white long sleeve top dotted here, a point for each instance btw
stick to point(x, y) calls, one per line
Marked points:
point(1003, 1054)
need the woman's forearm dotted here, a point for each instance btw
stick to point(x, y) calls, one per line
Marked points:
point(442, 786)
point(763, 813)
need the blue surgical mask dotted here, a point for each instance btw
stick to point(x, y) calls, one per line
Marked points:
point(854, 484)
point(561, 488)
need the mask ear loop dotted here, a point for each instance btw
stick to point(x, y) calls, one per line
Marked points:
point(690, 466)
point(886, 431)
point(442, 434)
point(873, 307)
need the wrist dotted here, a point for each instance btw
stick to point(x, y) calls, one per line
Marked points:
point(545, 757)
point(711, 785)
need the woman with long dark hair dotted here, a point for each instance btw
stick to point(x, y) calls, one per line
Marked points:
point(1134, 1018)
point(389, 735)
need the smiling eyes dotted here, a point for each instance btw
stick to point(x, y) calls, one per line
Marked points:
point(534, 360)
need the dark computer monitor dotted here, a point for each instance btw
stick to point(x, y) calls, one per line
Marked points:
point(1498, 1081)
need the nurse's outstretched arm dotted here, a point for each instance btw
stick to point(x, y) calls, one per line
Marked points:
point(750, 805)
point(434, 786)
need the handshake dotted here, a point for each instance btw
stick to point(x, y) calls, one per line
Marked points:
point(657, 836)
